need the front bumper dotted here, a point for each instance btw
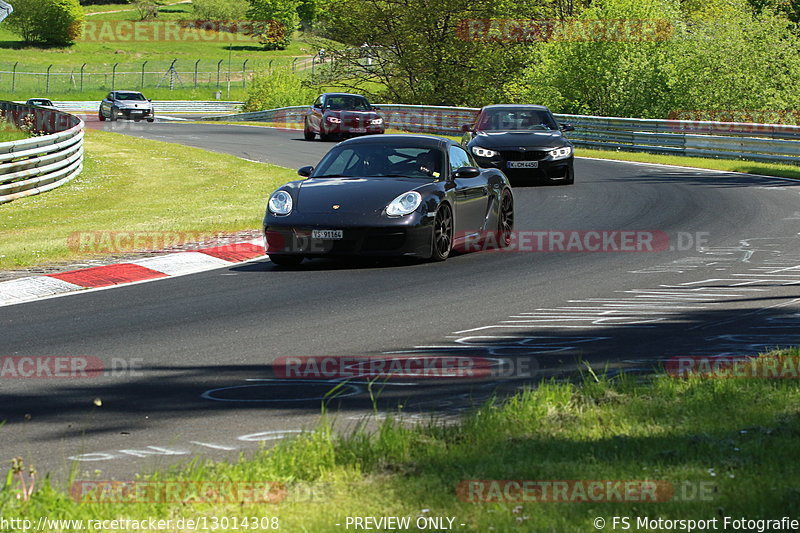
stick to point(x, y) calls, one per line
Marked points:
point(401, 237)
point(548, 170)
point(135, 113)
point(351, 130)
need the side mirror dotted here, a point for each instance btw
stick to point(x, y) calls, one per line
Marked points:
point(149, 99)
point(466, 127)
point(317, 105)
point(566, 126)
point(466, 172)
point(376, 108)
point(305, 171)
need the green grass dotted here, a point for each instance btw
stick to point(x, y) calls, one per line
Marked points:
point(733, 438)
point(100, 53)
point(131, 184)
point(749, 167)
point(11, 133)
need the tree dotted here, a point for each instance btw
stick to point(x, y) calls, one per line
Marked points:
point(47, 22)
point(274, 21)
point(423, 51)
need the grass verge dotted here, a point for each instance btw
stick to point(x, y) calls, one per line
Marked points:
point(718, 447)
point(10, 133)
point(137, 185)
point(729, 165)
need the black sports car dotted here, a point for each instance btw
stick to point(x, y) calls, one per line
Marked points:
point(414, 195)
point(341, 115)
point(524, 141)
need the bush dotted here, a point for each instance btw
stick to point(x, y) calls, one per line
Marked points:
point(220, 9)
point(48, 22)
point(279, 88)
point(719, 56)
point(147, 9)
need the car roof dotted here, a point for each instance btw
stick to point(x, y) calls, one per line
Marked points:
point(127, 92)
point(515, 106)
point(416, 141)
point(343, 94)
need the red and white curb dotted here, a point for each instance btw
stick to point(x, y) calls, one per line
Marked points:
point(146, 269)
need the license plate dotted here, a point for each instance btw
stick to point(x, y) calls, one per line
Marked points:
point(523, 164)
point(327, 234)
point(358, 130)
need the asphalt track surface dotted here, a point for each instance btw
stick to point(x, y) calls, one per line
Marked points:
point(204, 344)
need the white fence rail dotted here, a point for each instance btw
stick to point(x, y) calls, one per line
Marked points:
point(159, 106)
point(39, 164)
point(774, 143)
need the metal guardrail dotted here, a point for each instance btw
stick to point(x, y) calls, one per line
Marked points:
point(160, 106)
point(39, 164)
point(774, 143)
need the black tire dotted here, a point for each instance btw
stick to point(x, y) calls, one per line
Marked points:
point(137, 119)
point(286, 260)
point(324, 137)
point(505, 220)
point(113, 116)
point(308, 134)
point(151, 119)
point(101, 116)
point(442, 234)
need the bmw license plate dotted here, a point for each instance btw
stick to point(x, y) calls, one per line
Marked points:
point(523, 164)
point(327, 234)
point(358, 130)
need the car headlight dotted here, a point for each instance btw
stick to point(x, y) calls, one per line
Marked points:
point(280, 203)
point(404, 204)
point(561, 153)
point(483, 152)
point(334, 120)
point(376, 121)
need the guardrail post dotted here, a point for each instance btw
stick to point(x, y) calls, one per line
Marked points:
point(244, 73)
point(114, 75)
point(47, 80)
point(82, 67)
point(294, 65)
point(142, 82)
point(270, 66)
point(195, 73)
point(14, 76)
point(219, 65)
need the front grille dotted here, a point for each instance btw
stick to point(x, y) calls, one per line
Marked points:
point(528, 155)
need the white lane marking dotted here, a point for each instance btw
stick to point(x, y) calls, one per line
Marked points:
point(34, 287)
point(182, 263)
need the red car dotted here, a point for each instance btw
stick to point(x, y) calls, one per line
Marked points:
point(336, 115)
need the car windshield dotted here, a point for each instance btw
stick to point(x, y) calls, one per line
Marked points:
point(347, 103)
point(381, 161)
point(40, 101)
point(136, 97)
point(516, 120)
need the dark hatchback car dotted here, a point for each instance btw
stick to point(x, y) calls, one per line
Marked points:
point(337, 115)
point(389, 195)
point(524, 141)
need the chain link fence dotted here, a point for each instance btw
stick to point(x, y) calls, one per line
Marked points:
point(176, 74)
